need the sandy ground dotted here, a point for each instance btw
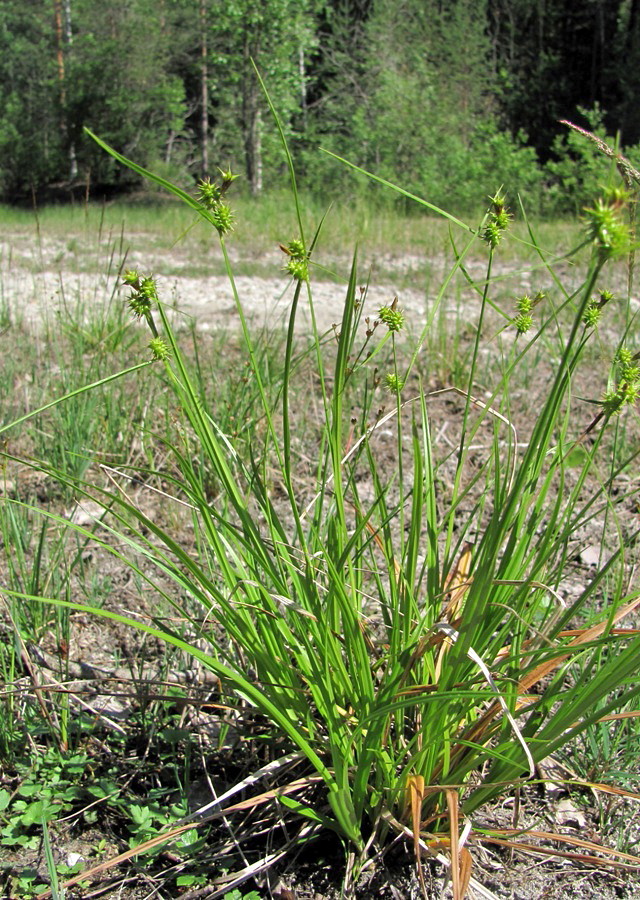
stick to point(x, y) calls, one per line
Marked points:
point(40, 276)
point(36, 283)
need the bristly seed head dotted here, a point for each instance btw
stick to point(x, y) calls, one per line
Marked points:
point(210, 194)
point(227, 178)
point(222, 218)
point(131, 278)
point(499, 220)
point(297, 264)
point(523, 322)
point(143, 295)
point(392, 316)
point(159, 349)
point(393, 383)
point(297, 268)
point(592, 314)
point(140, 306)
point(296, 248)
point(624, 356)
point(492, 234)
point(147, 288)
point(524, 304)
point(627, 390)
point(606, 229)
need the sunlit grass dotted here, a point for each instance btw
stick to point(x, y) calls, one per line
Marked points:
point(265, 221)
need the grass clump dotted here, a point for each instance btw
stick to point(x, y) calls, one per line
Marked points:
point(396, 626)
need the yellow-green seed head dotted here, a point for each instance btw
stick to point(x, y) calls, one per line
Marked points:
point(131, 278)
point(524, 304)
point(393, 383)
point(139, 305)
point(498, 201)
point(159, 349)
point(630, 374)
point(611, 403)
point(297, 268)
point(499, 220)
point(209, 193)
point(630, 394)
point(624, 356)
point(148, 288)
point(606, 229)
point(502, 219)
point(222, 218)
point(392, 317)
point(592, 315)
point(297, 264)
point(523, 323)
point(492, 234)
point(227, 178)
point(296, 248)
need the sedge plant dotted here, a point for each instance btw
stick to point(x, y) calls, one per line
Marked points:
point(415, 656)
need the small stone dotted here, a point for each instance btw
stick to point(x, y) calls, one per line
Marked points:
point(591, 555)
point(85, 513)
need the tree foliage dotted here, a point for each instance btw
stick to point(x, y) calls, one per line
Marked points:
point(452, 98)
point(427, 110)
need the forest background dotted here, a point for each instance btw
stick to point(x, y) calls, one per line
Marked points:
point(449, 98)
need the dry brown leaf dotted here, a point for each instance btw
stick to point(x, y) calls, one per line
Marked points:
point(565, 812)
point(454, 832)
point(616, 858)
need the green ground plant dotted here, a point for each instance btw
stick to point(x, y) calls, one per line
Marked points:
point(411, 649)
point(55, 785)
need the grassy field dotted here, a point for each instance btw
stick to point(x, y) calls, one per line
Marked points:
point(362, 590)
point(389, 228)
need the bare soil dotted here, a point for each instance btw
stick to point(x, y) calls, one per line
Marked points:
point(39, 281)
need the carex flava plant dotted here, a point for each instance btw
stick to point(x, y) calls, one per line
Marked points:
point(412, 648)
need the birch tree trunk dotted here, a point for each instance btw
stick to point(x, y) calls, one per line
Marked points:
point(251, 119)
point(204, 90)
point(64, 39)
